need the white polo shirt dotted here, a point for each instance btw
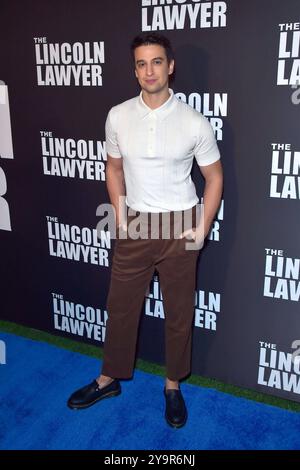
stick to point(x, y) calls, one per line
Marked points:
point(158, 147)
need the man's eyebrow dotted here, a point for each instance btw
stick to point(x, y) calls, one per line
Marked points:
point(155, 58)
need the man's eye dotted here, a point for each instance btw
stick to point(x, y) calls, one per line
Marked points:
point(141, 64)
point(157, 62)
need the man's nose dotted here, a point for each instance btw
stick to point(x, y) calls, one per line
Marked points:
point(149, 69)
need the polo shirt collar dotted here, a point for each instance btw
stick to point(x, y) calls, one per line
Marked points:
point(160, 112)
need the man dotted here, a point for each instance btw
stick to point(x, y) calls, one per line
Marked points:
point(151, 142)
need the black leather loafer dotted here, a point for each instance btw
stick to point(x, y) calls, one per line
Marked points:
point(176, 413)
point(90, 394)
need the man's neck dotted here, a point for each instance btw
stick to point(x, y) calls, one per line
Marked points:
point(155, 100)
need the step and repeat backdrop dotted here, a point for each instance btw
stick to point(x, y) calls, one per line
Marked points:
point(63, 65)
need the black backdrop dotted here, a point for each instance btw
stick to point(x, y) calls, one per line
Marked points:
point(248, 289)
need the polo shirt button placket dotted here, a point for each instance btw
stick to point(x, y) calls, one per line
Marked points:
point(151, 135)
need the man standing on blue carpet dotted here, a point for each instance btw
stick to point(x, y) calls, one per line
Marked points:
point(151, 141)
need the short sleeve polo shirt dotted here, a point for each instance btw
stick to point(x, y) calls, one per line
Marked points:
point(158, 147)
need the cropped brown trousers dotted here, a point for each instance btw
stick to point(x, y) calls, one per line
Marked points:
point(133, 266)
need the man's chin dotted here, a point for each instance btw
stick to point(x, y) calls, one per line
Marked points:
point(152, 89)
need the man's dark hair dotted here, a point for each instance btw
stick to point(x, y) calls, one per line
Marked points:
point(145, 39)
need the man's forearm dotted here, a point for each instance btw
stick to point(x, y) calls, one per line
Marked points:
point(211, 201)
point(115, 183)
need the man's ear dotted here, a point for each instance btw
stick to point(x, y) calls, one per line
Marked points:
point(135, 72)
point(171, 67)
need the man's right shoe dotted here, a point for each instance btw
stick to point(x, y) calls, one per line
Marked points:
point(92, 393)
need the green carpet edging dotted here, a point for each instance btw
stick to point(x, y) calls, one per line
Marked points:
point(96, 351)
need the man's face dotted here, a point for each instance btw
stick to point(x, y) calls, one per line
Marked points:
point(152, 69)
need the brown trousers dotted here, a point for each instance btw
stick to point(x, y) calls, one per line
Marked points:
point(134, 262)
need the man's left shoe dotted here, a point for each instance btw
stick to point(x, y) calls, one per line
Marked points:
point(176, 413)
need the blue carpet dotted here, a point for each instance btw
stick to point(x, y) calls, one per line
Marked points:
point(38, 378)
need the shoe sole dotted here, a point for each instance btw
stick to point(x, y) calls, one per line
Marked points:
point(108, 395)
point(174, 425)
